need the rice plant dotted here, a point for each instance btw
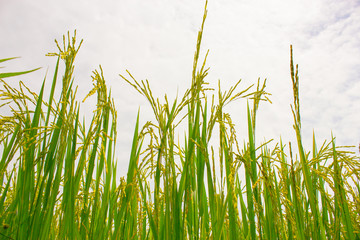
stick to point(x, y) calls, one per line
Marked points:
point(58, 175)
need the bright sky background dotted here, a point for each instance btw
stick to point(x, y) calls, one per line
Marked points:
point(156, 39)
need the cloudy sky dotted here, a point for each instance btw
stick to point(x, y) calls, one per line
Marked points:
point(247, 39)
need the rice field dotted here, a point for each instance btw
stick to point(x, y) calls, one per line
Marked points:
point(58, 175)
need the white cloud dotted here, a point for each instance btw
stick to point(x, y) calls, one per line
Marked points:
point(247, 39)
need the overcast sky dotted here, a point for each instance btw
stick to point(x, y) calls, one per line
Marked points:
point(247, 39)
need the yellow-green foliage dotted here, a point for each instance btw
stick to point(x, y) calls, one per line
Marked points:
point(58, 177)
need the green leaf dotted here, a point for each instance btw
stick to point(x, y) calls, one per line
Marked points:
point(13, 74)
